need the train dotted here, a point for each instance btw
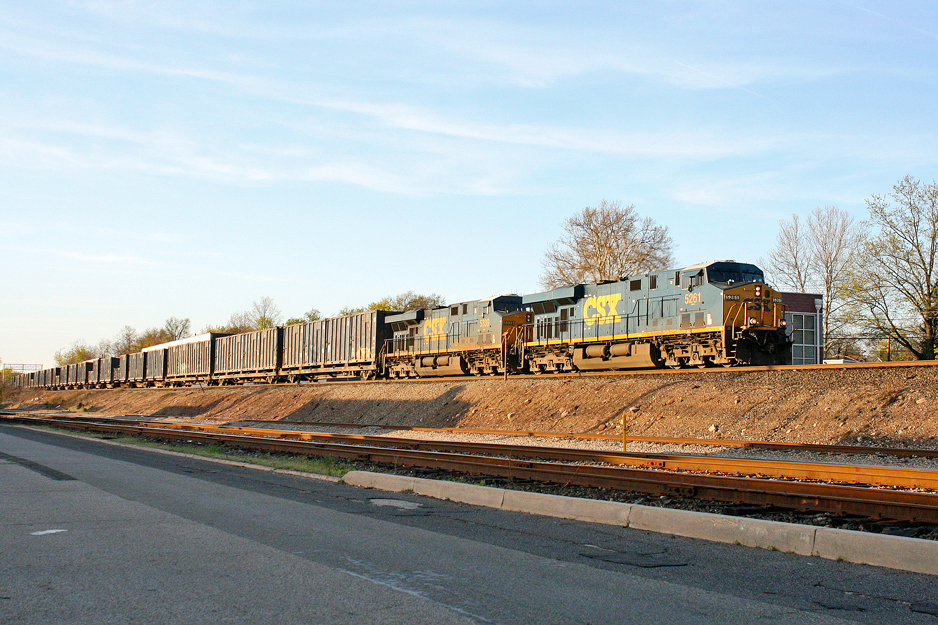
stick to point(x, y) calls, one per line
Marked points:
point(720, 313)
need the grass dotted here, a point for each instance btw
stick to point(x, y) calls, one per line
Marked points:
point(320, 465)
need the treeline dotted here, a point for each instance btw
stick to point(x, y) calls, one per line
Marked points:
point(263, 314)
point(878, 277)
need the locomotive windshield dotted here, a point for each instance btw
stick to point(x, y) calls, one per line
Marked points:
point(730, 273)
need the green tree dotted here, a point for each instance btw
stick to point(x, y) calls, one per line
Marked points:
point(312, 314)
point(6, 382)
point(151, 337)
point(894, 289)
point(400, 303)
point(78, 352)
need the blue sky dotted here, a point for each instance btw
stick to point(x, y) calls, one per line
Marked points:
point(183, 159)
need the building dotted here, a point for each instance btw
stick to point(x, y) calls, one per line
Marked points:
point(805, 327)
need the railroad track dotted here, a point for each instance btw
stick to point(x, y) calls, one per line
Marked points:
point(588, 374)
point(661, 440)
point(889, 477)
point(822, 488)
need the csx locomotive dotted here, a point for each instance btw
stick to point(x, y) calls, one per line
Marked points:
point(719, 313)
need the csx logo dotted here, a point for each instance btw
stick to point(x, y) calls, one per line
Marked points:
point(601, 309)
point(433, 328)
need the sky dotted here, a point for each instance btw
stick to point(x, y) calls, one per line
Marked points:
point(185, 159)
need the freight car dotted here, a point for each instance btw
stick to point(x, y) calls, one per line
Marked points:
point(183, 362)
point(720, 313)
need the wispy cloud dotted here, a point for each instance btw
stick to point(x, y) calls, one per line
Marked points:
point(105, 259)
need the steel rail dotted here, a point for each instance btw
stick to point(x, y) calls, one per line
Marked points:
point(661, 440)
point(575, 374)
point(836, 498)
point(870, 475)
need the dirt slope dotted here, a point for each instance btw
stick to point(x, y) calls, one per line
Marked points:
point(881, 406)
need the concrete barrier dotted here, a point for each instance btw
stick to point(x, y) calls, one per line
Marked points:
point(895, 552)
point(787, 537)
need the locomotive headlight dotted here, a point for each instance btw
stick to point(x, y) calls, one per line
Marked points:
point(758, 291)
point(752, 321)
point(782, 323)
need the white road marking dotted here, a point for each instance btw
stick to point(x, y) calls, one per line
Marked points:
point(44, 532)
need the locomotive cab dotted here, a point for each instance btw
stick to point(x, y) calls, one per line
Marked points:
point(753, 314)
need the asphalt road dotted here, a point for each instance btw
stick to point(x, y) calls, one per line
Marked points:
point(99, 533)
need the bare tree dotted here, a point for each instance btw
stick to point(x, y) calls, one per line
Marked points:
point(265, 314)
point(104, 349)
point(788, 263)
point(834, 241)
point(126, 342)
point(895, 285)
point(819, 256)
point(608, 242)
point(177, 328)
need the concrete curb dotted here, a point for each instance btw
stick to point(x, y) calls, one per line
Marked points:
point(894, 552)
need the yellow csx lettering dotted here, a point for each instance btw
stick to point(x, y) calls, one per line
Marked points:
point(433, 329)
point(601, 309)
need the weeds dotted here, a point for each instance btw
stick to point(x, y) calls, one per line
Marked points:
point(320, 465)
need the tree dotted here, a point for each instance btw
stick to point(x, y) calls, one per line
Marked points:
point(265, 314)
point(819, 256)
point(894, 288)
point(606, 243)
point(126, 342)
point(834, 241)
point(408, 301)
point(104, 349)
point(177, 328)
point(6, 381)
point(312, 314)
point(78, 352)
point(238, 323)
point(400, 303)
point(788, 262)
